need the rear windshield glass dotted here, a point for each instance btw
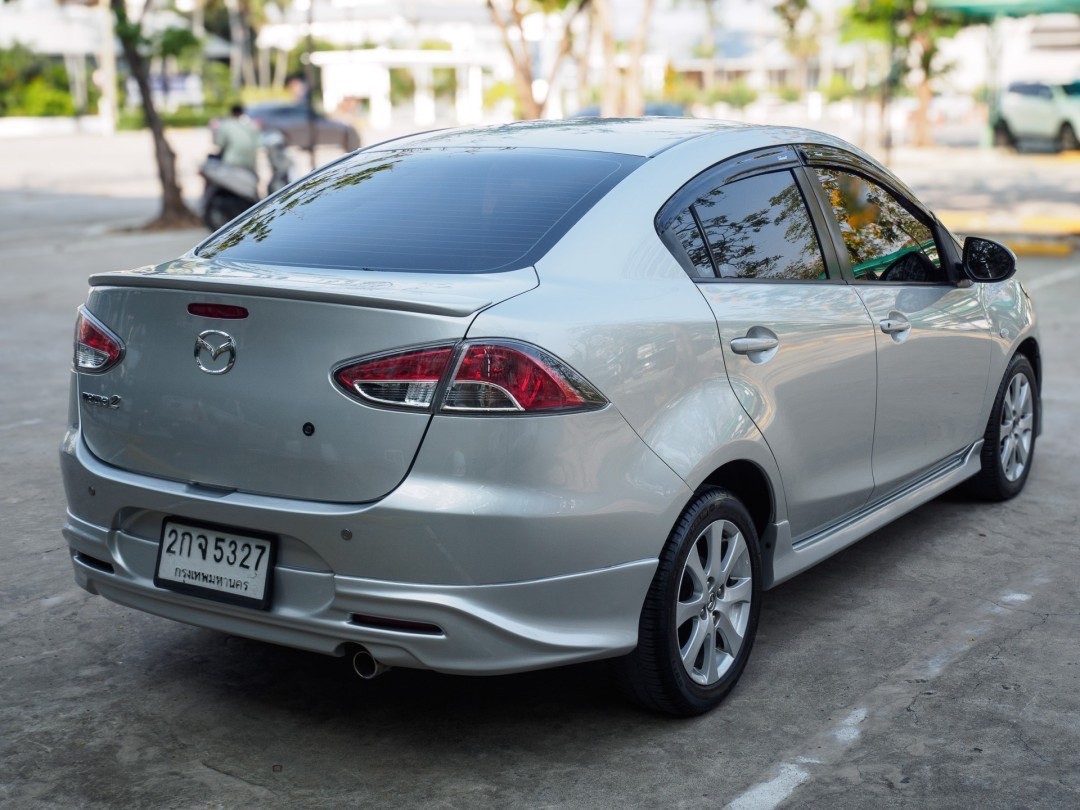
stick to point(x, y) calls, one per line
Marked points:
point(441, 210)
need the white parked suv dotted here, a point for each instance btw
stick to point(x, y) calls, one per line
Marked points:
point(1039, 110)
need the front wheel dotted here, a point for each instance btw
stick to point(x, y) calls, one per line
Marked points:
point(701, 613)
point(1009, 441)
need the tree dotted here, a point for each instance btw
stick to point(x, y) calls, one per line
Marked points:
point(617, 97)
point(509, 16)
point(174, 212)
point(914, 31)
point(800, 38)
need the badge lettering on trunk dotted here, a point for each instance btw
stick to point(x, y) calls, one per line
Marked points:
point(209, 346)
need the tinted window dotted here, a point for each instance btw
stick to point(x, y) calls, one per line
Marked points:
point(759, 228)
point(453, 211)
point(684, 228)
point(885, 242)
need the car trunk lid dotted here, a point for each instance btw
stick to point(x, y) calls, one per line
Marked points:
point(248, 403)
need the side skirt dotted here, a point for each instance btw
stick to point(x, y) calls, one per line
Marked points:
point(791, 558)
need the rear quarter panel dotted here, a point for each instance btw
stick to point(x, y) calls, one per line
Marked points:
point(615, 305)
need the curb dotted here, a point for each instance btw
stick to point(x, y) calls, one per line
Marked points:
point(1025, 235)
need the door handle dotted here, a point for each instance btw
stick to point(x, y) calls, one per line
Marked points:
point(750, 345)
point(894, 326)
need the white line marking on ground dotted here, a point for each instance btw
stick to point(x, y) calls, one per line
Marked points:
point(848, 730)
point(1053, 278)
point(1016, 597)
point(767, 795)
point(889, 698)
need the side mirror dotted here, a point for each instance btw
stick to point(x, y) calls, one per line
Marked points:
point(986, 260)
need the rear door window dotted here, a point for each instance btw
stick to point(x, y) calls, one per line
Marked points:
point(753, 228)
point(428, 210)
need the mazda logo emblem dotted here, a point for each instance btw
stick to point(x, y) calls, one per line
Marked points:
point(209, 346)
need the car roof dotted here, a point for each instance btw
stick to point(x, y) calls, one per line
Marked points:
point(643, 137)
point(630, 136)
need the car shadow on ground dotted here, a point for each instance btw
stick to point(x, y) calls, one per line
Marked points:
point(279, 679)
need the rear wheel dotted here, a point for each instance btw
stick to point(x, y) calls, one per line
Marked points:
point(1009, 441)
point(701, 613)
point(1003, 135)
point(1067, 138)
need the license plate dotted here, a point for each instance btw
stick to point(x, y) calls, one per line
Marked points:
point(215, 563)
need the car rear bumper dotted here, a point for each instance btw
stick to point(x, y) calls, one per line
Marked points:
point(462, 576)
point(475, 630)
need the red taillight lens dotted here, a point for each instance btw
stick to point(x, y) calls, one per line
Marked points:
point(490, 377)
point(516, 377)
point(96, 348)
point(406, 379)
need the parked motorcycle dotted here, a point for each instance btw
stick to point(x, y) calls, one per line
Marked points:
point(231, 190)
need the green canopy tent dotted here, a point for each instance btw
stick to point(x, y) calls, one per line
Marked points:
point(991, 9)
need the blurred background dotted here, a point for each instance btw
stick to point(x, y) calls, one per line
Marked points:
point(95, 89)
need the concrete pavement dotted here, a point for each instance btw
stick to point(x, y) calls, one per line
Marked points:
point(934, 664)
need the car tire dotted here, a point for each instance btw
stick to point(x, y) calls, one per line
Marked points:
point(700, 615)
point(1009, 442)
point(222, 208)
point(1003, 135)
point(1067, 139)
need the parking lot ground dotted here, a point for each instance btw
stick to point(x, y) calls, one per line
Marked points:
point(934, 664)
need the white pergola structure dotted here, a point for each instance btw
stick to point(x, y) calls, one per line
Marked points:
point(365, 74)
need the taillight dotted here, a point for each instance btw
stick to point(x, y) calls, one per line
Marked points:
point(483, 377)
point(407, 379)
point(96, 348)
point(514, 377)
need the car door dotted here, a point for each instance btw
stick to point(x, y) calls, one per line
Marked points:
point(798, 344)
point(932, 331)
point(1031, 110)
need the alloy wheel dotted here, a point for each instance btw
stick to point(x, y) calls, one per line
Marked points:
point(712, 608)
point(1017, 424)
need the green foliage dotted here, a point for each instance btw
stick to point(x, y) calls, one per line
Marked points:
point(789, 94)
point(907, 25)
point(183, 117)
point(499, 92)
point(296, 61)
point(838, 89)
point(176, 42)
point(738, 94)
point(31, 84)
point(217, 85)
point(402, 85)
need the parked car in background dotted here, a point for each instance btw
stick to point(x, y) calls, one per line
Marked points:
point(1039, 110)
point(292, 121)
point(492, 400)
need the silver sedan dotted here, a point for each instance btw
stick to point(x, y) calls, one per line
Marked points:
point(484, 401)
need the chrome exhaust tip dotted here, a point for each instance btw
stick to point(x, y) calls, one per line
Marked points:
point(365, 665)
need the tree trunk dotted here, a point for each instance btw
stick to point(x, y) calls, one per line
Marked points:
point(281, 71)
point(924, 93)
point(519, 57)
point(635, 93)
point(174, 212)
point(708, 76)
point(236, 44)
point(610, 103)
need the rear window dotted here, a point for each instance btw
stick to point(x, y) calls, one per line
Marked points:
point(433, 210)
